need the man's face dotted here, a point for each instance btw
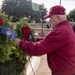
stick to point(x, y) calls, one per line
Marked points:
point(53, 20)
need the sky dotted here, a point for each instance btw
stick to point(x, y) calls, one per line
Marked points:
point(0, 3)
point(68, 4)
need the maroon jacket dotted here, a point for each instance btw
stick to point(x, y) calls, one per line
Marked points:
point(59, 45)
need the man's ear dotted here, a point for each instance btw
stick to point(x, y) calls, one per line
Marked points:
point(58, 16)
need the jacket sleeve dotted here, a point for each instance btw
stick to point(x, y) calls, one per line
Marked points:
point(50, 43)
point(40, 38)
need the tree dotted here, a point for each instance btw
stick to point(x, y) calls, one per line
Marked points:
point(22, 8)
point(71, 15)
point(38, 15)
point(43, 12)
point(17, 8)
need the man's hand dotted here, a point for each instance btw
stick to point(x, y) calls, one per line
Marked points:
point(17, 41)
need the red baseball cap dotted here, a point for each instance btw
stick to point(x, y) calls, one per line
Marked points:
point(55, 10)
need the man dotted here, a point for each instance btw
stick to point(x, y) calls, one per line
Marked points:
point(73, 26)
point(59, 45)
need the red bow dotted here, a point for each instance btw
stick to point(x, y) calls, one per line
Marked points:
point(26, 32)
point(1, 21)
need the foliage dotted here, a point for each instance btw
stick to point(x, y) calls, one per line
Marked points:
point(5, 43)
point(12, 58)
point(20, 24)
point(22, 8)
point(71, 15)
point(17, 8)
